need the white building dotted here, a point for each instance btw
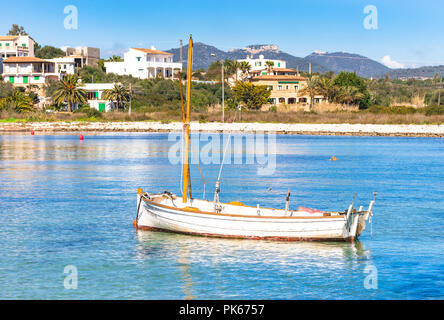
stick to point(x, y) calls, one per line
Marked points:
point(16, 46)
point(259, 64)
point(94, 93)
point(65, 65)
point(22, 71)
point(145, 63)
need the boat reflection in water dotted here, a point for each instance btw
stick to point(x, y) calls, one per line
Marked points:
point(203, 260)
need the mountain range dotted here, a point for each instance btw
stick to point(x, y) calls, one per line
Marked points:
point(204, 55)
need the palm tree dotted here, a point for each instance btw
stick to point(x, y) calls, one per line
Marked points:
point(68, 91)
point(327, 88)
point(231, 67)
point(269, 65)
point(349, 94)
point(311, 89)
point(120, 94)
point(21, 102)
point(115, 58)
point(245, 68)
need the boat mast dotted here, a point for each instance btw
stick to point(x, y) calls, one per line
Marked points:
point(186, 168)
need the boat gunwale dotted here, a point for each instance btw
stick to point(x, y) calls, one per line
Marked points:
point(238, 215)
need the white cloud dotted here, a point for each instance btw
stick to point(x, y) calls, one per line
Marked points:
point(389, 62)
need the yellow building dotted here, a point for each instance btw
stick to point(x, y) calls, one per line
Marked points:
point(286, 88)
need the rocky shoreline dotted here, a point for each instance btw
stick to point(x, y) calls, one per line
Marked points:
point(410, 130)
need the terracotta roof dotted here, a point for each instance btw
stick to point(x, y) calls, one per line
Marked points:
point(8, 38)
point(278, 77)
point(23, 60)
point(275, 69)
point(152, 51)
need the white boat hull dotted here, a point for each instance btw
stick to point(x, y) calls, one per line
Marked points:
point(236, 221)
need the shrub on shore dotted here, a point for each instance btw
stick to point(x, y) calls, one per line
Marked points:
point(377, 109)
point(434, 110)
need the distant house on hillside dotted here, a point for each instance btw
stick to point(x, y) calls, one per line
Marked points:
point(16, 46)
point(259, 63)
point(144, 64)
point(83, 56)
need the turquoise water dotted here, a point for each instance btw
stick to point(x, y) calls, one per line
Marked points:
point(71, 203)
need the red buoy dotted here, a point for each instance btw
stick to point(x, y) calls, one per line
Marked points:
point(32, 132)
point(80, 137)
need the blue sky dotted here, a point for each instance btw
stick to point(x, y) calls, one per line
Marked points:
point(409, 32)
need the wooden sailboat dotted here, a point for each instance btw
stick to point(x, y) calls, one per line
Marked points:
point(168, 212)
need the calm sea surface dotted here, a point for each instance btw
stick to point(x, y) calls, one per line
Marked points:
point(70, 203)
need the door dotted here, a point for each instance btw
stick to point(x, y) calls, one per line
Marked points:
point(101, 107)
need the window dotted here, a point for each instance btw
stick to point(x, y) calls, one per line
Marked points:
point(286, 87)
point(296, 88)
point(138, 58)
point(24, 45)
point(11, 79)
point(92, 95)
point(280, 87)
point(7, 44)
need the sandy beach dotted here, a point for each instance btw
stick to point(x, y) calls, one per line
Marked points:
point(296, 128)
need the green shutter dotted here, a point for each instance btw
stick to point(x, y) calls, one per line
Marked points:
point(7, 44)
point(37, 78)
point(279, 64)
point(25, 79)
point(97, 95)
point(101, 107)
point(11, 79)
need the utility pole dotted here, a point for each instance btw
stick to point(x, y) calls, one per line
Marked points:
point(223, 94)
point(131, 98)
point(223, 87)
point(439, 92)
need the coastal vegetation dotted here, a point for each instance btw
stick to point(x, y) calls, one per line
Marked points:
point(379, 100)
